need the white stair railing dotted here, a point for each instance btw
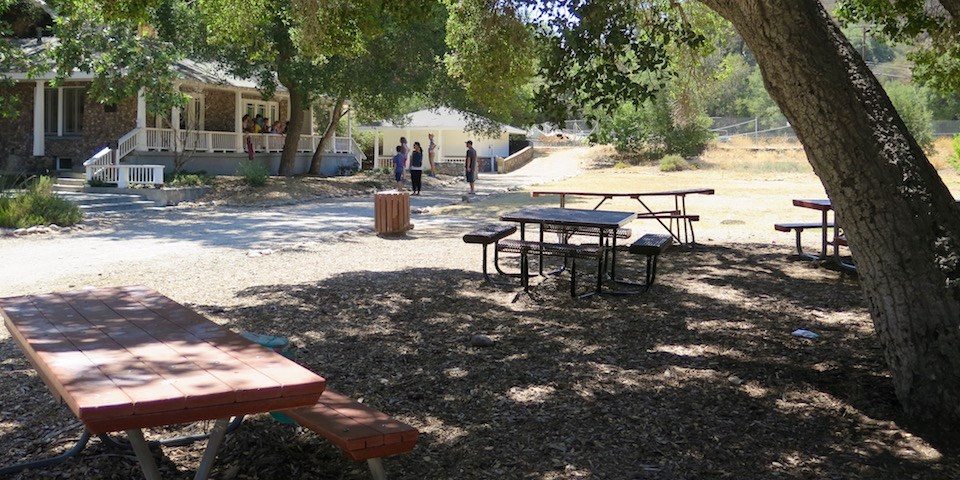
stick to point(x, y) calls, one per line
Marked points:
point(126, 144)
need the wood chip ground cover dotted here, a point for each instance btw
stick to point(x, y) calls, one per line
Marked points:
point(699, 378)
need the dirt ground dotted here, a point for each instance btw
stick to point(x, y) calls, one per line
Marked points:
point(699, 378)
point(233, 191)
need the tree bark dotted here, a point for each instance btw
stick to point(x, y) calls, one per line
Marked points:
point(291, 142)
point(901, 222)
point(335, 115)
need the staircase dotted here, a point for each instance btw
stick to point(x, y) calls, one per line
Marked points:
point(70, 187)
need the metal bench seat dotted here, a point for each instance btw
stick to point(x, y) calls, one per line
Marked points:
point(622, 233)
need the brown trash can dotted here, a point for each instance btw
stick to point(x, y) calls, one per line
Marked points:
point(391, 212)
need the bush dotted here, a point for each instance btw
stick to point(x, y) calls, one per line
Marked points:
point(674, 163)
point(954, 158)
point(650, 130)
point(254, 173)
point(184, 179)
point(912, 104)
point(620, 165)
point(37, 205)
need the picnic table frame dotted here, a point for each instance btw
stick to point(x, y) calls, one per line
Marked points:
point(607, 223)
point(824, 206)
point(679, 203)
point(129, 358)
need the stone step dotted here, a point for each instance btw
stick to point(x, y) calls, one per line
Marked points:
point(66, 174)
point(67, 188)
point(81, 198)
point(113, 207)
point(70, 181)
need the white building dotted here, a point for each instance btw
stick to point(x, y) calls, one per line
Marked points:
point(449, 129)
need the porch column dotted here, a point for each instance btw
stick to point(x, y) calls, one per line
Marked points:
point(376, 148)
point(141, 120)
point(310, 123)
point(38, 104)
point(238, 119)
point(350, 123)
point(175, 124)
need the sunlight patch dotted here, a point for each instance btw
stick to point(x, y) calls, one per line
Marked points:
point(697, 351)
point(531, 394)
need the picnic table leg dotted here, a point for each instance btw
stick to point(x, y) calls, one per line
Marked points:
point(376, 469)
point(613, 258)
point(664, 225)
point(823, 235)
point(600, 261)
point(524, 266)
point(144, 456)
point(213, 444)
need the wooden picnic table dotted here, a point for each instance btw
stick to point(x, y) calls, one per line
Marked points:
point(604, 220)
point(824, 206)
point(129, 358)
point(678, 214)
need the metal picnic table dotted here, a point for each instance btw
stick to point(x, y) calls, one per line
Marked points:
point(679, 213)
point(129, 358)
point(605, 221)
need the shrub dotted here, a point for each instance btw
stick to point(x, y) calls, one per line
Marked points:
point(621, 165)
point(254, 173)
point(674, 163)
point(912, 104)
point(184, 179)
point(651, 130)
point(37, 205)
point(954, 158)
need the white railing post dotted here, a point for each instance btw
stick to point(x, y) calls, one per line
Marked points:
point(158, 174)
point(209, 142)
point(123, 176)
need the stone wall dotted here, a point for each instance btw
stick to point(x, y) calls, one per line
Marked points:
point(220, 109)
point(16, 132)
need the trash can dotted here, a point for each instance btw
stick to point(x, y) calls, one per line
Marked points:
point(391, 212)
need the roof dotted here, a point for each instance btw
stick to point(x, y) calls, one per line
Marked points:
point(204, 72)
point(439, 118)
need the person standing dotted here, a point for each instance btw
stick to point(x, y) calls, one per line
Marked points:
point(470, 162)
point(399, 163)
point(247, 141)
point(432, 155)
point(406, 148)
point(416, 168)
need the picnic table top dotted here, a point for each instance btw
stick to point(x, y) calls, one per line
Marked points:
point(128, 357)
point(822, 204)
point(665, 193)
point(573, 217)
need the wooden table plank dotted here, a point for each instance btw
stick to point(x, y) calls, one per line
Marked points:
point(248, 384)
point(200, 387)
point(293, 379)
point(570, 217)
point(147, 389)
point(86, 390)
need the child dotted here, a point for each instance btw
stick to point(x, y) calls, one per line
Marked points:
point(399, 163)
point(416, 168)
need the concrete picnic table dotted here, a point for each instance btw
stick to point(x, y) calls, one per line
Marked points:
point(128, 358)
point(679, 212)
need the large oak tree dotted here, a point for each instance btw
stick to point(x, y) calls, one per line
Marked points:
point(902, 223)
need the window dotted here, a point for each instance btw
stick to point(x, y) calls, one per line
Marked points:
point(72, 111)
point(51, 116)
point(63, 111)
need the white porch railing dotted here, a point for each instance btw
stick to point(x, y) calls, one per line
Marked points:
point(124, 175)
point(104, 166)
point(162, 139)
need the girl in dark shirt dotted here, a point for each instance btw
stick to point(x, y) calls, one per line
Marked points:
point(416, 167)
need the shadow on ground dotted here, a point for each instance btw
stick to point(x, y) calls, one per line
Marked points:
point(699, 378)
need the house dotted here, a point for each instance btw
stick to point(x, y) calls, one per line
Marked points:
point(450, 130)
point(65, 129)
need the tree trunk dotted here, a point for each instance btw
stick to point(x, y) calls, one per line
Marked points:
point(901, 222)
point(291, 142)
point(335, 115)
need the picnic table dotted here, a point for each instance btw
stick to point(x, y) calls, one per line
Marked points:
point(679, 213)
point(603, 220)
point(129, 358)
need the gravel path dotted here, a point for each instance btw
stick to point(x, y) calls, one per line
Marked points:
point(169, 245)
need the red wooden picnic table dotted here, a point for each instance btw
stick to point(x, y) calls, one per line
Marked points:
point(824, 206)
point(128, 358)
point(679, 212)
